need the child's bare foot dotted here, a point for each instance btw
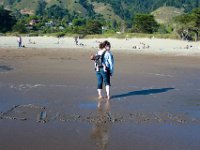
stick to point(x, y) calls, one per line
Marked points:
point(100, 97)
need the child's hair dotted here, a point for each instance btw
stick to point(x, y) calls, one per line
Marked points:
point(101, 45)
point(106, 43)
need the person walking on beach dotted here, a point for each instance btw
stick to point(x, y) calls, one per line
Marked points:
point(19, 40)
point(76, 39)
point(104, 66)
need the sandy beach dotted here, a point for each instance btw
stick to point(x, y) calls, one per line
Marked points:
point(136, 45)
point(48, 96)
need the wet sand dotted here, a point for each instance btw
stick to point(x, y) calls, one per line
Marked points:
point(48, 101)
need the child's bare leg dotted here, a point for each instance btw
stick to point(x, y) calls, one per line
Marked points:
point(99, 93)
point(108, 91)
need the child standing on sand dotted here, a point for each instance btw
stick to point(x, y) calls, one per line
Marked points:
point(104, 66)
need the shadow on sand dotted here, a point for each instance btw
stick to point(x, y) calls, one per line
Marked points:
point(5, 68)
point(143, 92)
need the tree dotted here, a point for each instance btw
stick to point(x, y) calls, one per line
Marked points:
point(93, 27)
point(187, 24)
point(197, 3)
point(6, 20)
point(10, 2)
point(78, 22)
point(41, 8)
point(56, 12)
point(196, 13)
point(88, 7)
point(20, 27)
point(145, 23)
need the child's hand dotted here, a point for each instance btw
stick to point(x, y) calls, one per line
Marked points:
point(92, 57)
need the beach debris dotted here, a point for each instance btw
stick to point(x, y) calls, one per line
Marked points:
point(102, 118)
point(42, 117)
point(21, 112)
point(69, 117)
point(30, 111)
point(1, 115)
point(109, 117)
point(141, 46)
point(25, 87)
point(188, 47)
point(56, 117)
point(9, 114)
point(157, 117)
point(14, 118)
point(81, 44)
point(31, 42)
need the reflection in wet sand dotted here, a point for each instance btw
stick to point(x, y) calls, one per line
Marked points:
point(101, 129)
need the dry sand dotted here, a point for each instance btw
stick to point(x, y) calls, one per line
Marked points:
point(48, 101)
point(136, 45)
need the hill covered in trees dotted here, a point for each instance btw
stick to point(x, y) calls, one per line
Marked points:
point(110, 9)
point(97, 16)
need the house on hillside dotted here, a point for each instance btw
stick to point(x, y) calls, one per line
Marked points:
point(26, 12)
point(33, 22)
point(50, 24)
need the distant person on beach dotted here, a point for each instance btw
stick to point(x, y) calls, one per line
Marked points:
point(76, 39)
point(104, 66)
point(19, 40)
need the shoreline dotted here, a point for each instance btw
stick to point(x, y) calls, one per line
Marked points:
point(88, 51)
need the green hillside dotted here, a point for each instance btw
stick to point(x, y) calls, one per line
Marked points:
point(20, 4)
point(106, 11)
point(110, 9)
point(165, 15)
point(88, 17)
